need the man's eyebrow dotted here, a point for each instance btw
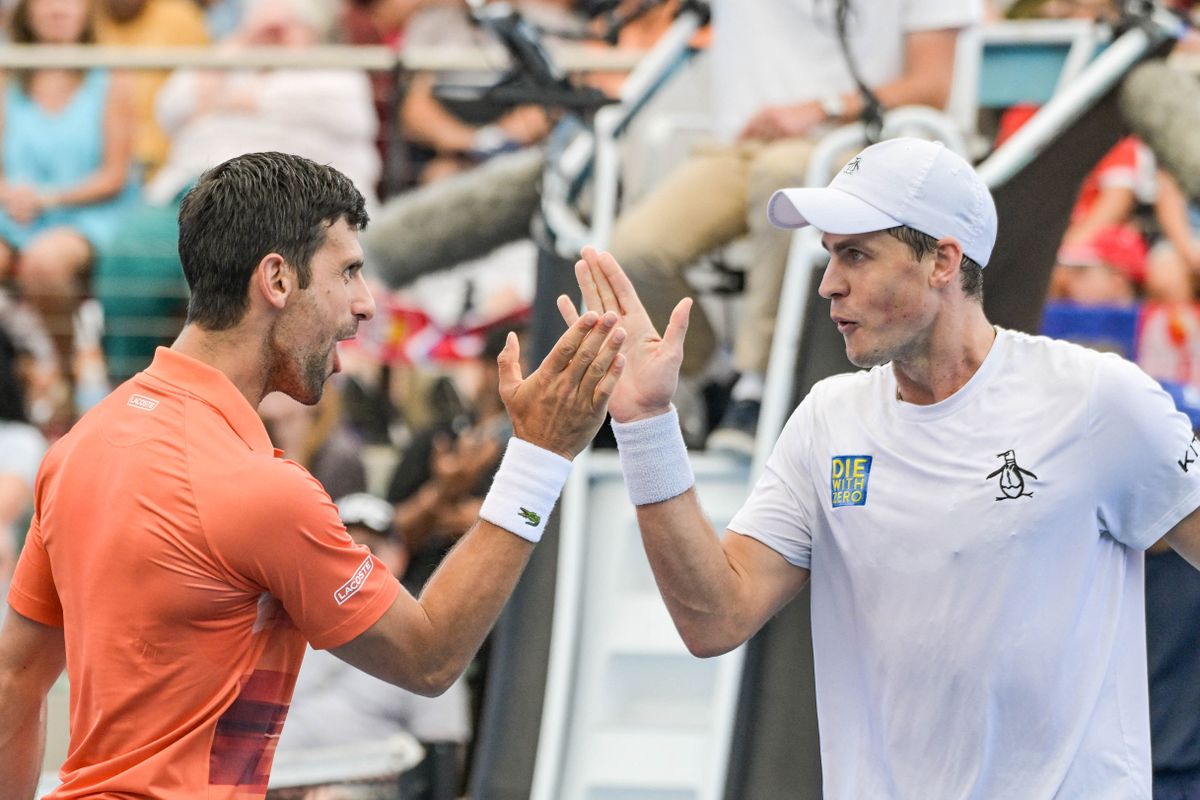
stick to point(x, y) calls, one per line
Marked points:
point(844, 244)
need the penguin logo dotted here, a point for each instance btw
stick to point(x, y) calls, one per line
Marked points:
point(853, 166)
point(1012, 481)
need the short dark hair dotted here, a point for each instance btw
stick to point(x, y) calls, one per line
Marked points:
point(922, 243)
point(250, 206)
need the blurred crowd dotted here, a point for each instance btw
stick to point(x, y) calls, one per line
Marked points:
point(93, 164)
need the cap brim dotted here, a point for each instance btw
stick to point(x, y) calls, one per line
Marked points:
point(829, 210)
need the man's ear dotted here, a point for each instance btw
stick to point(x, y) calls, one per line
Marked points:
point(274, 280)
point(947, 262)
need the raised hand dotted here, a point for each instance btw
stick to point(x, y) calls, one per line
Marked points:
point(653, 370)
point(562, 404)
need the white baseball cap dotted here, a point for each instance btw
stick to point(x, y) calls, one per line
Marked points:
point(904, 181)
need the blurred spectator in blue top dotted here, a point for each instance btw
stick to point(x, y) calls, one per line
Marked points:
point(66, 152)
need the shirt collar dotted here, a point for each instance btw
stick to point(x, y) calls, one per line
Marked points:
point(213, 387)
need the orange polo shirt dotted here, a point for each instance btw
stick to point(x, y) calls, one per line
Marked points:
point(188, 564)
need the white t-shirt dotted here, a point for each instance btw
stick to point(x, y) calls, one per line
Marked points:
point(770, 52)
point(977, 601)
point(336, 704)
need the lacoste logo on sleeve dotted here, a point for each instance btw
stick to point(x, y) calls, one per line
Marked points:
point(531, 519)
point(142, 402)
point(351, 587)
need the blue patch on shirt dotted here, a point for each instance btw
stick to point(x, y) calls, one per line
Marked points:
point(848, 477)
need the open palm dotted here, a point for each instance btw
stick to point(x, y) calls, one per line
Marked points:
point(652, 369)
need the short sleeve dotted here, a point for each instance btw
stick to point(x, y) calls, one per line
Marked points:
point(288, 540)
point(1144, 457)
point(782, 507)
point(32, 593)
point(932, 15)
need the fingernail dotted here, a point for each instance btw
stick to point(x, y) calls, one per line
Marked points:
point(610, 319)
point(619, 335)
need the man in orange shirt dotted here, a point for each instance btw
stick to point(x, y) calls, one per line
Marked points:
point(177, 565)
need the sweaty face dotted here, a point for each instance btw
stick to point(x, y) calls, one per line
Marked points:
point(304, 340)
point(882, 301)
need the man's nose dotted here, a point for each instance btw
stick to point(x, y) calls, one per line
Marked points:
point(362, 304)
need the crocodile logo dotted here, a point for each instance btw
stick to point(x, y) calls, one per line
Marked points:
point(531, 519)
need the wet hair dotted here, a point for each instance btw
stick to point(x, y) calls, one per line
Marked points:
point(922, 243)
point(247, 208)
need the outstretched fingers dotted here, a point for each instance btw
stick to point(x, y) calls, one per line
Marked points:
point(567, 309)
point(601, 368)
point(562, 354)
point(509, 363)
point(592, 347)
point(618, 283)
point(601, 280)
point(677, 327)
point(587, 286)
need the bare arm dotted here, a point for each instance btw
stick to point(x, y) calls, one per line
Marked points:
point(31, 659)
point(719, 591)
point(424, 119)
point(1171, 210)
point(926, 80)
point(1113, 206)
point(424, 645)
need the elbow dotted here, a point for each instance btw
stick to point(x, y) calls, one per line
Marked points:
point(703, 649)
point(710, 642)
point(435, 680)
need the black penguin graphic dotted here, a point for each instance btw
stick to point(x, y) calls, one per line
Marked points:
point(1012, 482)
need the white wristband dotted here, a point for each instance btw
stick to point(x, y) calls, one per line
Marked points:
point(653, 458)
point(525, 489)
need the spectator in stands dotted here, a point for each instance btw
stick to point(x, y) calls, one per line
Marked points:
point(150, 23)
point(1175, 258)
point(455, 137)
point(335, 705)
point(1106, 270)
point(66, 173)
point(381, 22)
point(318, 438)
point(780, 80)
point(21, 450)
point(324, 115)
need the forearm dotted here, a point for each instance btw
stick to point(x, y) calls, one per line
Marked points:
point(465, 596)
point(103, 185)
point(22, 742)
point(1171, 210)
point(425, 120)
point(698, 583)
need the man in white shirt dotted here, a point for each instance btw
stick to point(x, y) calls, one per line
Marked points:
point(972, 508)
point(781, 79)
